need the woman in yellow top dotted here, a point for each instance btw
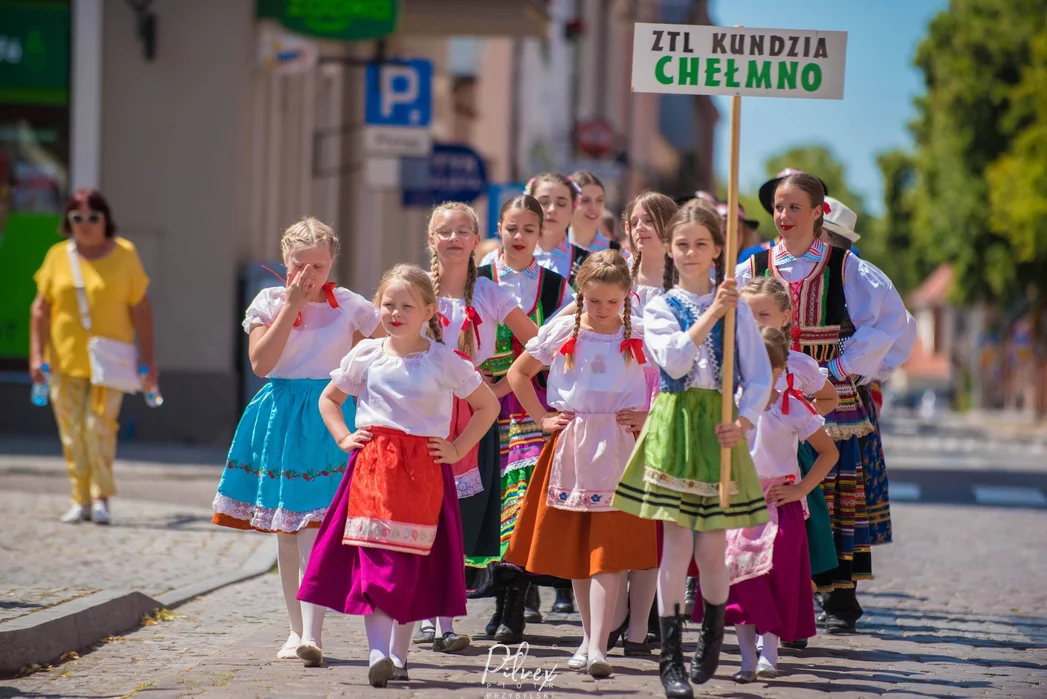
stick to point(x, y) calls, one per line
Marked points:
point(115, 284)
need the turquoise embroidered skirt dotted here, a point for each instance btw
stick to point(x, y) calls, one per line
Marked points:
point(283, 468)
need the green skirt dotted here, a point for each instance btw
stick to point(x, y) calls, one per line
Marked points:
point(820, 541)
point(674, 472)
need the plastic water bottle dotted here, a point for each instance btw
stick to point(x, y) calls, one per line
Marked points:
point(152, 398)
point(40, 391)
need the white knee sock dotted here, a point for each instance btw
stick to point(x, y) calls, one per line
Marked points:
point(287, 560)
point(312, 614)
point(770, 649)
point(443, 625)
point(747, 645)
point(401, 643)
point(379, 627)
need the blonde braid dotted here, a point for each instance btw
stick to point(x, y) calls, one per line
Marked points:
point(434, 270)
point(436, 329)
point(635, 271)
point(627, 324)
point(569, 362)
point(467, 337)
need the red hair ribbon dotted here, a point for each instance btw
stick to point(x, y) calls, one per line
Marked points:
point(634, 345)
point(795, 393)
point(463, 355)
point(795, 332)
point(473, 318)
point(568, 347)
point(444, 320)
point(826, 209)
point(327, 288)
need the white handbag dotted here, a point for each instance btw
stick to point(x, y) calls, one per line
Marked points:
point(114, 364)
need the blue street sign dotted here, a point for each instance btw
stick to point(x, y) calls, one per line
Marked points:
point(452, 173)
point(399, 94)
point(497, 195)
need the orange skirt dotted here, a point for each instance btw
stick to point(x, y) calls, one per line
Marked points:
point(396, 494)
point(577, 545)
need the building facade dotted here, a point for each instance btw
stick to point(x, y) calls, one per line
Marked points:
point(206, 153)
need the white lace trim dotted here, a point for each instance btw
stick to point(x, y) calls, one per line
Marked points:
point(468, 484)
point(264, 518)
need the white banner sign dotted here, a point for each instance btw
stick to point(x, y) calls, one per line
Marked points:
point(693, 59)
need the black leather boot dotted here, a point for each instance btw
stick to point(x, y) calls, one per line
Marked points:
point(496, 618)
point(512, 627)
point(532, 602)
point(564, 603)
point(670, 665)
point(689, 596)
point(707, 654)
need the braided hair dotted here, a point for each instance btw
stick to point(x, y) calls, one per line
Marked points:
point(604, 267)
point(466, 338)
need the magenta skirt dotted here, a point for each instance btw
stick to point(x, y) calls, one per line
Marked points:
point(780, 602)
point(355, 580)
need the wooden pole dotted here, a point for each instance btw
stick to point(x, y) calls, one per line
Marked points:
point(730, 255)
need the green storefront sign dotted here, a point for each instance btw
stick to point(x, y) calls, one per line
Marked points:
point(336, 20)
point(34, 52)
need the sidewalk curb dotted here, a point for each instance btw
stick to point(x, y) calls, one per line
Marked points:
point(42, 637)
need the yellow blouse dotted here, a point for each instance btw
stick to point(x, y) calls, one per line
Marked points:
point(113, 285)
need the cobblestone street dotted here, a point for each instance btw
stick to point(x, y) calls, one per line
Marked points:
point(958, 610)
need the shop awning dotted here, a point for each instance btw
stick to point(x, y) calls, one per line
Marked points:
point(473, 17)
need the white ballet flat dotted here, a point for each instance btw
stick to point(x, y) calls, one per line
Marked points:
point(578, 661)
point(289, 651)
point(766, 671)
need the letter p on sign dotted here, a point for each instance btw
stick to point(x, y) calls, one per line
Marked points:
point(399, 94)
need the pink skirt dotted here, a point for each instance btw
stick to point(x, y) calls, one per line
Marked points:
point(780, 601)
point(358, 580)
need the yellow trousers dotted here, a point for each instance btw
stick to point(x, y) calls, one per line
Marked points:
point(87, 425)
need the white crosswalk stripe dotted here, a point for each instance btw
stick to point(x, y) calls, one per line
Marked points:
point(1008, 495)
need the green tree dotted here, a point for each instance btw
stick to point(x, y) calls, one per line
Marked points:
point(971, 59)
point(889, 242)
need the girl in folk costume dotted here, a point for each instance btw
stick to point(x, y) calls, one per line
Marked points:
point(769, 564)
point(489, 518)
point(589, 215)
point(847, 316)
point(567, 527)
point(558, 196)
point(283, 468)
point(646, 220)
point(674, 473)
point(473, 307)
point(771, 306)
point(390, 547)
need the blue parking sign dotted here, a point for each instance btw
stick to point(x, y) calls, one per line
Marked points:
point(399, 94)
